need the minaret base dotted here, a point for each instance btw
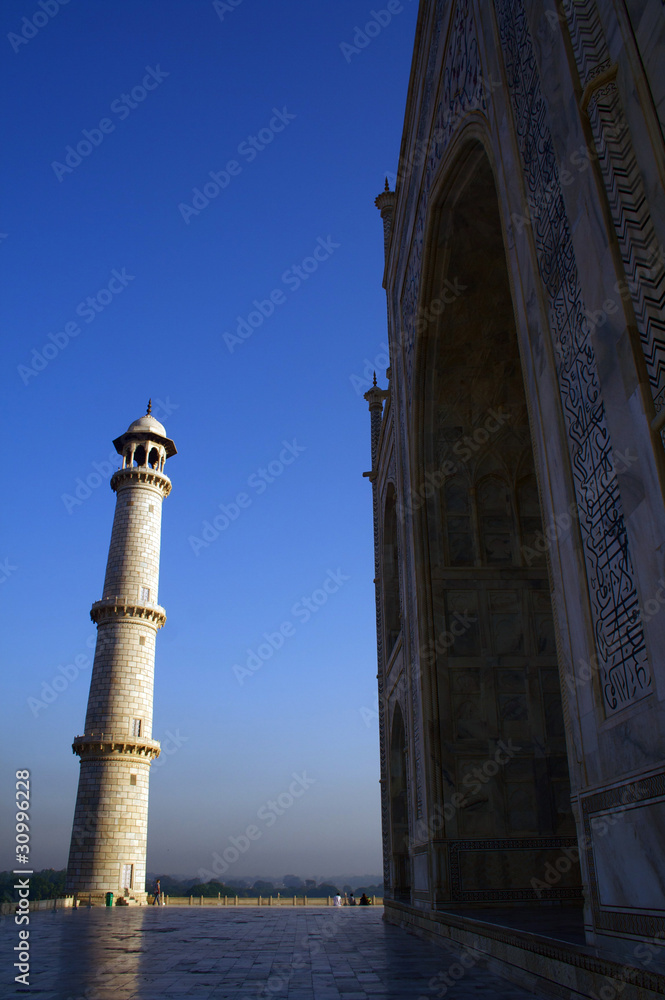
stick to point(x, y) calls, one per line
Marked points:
point(83, 899)
point(109, 835)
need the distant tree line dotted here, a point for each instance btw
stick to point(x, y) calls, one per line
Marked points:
point(46, 884)
point(291, 886)
point(258, 888)
point(50, 884)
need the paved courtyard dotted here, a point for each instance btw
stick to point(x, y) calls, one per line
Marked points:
point(153, 953)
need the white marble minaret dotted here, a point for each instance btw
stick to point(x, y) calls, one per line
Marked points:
point(109, 836)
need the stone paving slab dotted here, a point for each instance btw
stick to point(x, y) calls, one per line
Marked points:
point(173, 953)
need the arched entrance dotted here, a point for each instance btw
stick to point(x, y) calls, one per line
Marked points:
point(497, 738)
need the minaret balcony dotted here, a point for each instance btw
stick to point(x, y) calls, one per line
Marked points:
point(124, 607)
point(106, 744)
point(140, 474)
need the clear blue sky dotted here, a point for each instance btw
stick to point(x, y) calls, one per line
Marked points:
point(199, 81)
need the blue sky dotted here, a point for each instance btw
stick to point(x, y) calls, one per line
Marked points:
point(122, 283)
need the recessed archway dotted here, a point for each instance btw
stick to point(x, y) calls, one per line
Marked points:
point(494, 676)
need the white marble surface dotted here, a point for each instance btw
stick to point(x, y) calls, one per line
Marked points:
point(629, 857)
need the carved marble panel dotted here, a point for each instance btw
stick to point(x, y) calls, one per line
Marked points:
point(462, 89)
point(480, 870)
point(642, 255)
point(618, 630)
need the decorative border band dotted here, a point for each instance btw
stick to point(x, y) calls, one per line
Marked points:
point(122, 607)
point(460, 894)
point(103, 744)
point(134, 474)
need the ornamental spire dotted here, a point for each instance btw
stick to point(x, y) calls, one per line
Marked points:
point(149, 410)
point(385, 202)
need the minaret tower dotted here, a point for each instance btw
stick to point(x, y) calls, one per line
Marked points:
point(109, 836)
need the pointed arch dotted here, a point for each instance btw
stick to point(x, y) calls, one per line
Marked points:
point(487, 611)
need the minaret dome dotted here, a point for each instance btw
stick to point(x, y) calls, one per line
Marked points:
point(145, 444)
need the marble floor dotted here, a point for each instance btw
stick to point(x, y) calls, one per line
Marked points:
point(319, 954)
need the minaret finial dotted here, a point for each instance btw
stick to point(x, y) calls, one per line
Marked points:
point(149, 410)
point(387, 187)
point(374, 383)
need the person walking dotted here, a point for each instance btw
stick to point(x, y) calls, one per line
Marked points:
point(158, 894)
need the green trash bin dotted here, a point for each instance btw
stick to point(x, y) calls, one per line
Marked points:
point(109, 899)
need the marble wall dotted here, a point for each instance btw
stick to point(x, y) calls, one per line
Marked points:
point(525, 277)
